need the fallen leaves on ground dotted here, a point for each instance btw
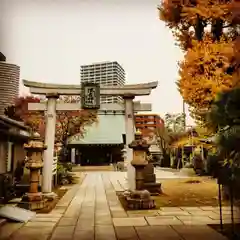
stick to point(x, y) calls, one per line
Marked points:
point(197, 191)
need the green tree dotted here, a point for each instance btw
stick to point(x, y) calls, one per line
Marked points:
point(175, 122)
point(225, 115)
point(163, 140)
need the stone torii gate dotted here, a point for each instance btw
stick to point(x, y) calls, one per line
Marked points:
point(52, 93)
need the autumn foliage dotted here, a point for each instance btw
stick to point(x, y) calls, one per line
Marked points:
point(205, 71)
point(206, 30)
point(68, 122)
point(19, 112)
point(193, 19)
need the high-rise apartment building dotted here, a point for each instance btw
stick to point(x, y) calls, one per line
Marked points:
point(106, 74)
point(9, 83)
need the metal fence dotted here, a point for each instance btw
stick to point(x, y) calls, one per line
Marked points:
point(54, 170)
point(231, 191)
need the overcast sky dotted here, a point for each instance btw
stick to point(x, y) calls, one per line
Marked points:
point(50, 39)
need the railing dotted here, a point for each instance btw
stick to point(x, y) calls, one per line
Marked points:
point(54, 170)
point(54, 167)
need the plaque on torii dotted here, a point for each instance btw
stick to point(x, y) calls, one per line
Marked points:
point(90, 97)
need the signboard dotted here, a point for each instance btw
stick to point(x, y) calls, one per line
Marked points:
point(90, 95)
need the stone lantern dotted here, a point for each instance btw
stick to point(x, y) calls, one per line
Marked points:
point(34, 148)
point(140, 148)
point(140, 198)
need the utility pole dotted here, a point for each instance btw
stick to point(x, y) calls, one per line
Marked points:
point(184, 115)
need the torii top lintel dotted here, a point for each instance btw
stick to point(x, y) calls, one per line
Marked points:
point(64, 89)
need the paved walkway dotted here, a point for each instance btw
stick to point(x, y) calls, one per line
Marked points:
point(91, 210)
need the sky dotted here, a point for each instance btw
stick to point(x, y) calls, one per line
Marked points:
point(50, 39)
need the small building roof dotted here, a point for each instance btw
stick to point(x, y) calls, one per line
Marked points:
point(14, 123)
point(109, 129)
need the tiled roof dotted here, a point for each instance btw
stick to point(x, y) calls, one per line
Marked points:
point(107, 130)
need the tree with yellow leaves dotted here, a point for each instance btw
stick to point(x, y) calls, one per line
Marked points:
point(206, 71)
point(193, 19)
point(206, 31)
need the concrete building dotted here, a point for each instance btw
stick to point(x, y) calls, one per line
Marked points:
point(9, 83)
point(106, 74)
point(147, 124)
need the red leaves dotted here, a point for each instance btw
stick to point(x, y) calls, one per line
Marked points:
point(68, 122)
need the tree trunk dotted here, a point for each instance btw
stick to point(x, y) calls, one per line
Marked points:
point(217, 29)
point(166, 160)
point(199, 29)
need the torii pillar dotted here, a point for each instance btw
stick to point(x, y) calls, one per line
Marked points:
point(130, 133)
point(50, 129)
point(52, 91)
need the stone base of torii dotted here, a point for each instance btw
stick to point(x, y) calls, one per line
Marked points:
point(52, 93)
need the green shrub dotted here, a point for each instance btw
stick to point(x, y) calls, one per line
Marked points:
point(64, 175)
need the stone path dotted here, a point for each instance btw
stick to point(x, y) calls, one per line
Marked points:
point(91, 210)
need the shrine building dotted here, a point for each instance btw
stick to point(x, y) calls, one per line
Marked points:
point(102, 144)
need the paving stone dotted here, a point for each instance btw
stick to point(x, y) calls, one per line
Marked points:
point(33, 230)
point(103, 221)
point(49, 215)
point(229, 220)
point(105, 233)
point(84, 235)
point(32, 233)
point(30, 237)
point(142, 213)
point(191, 208)
point(71, 213)
point(157, 232)
point(173, 213)
point(86, 216)
point(214, 216)
point(102, 213)
point(40, 224)
point(163, 220)
point(67, 221)
point(41, 219)
point(8, 229)
point(126, 222)
point(201, 213)
point(226, 212)
point(195, 220)
point(59, 211)
point(209, 208)
point(85, 224)
point(118, 214)
point(224, 216)
point(63, 232)
point(126, 233)
point(198, 233)
point(229, 208)
point(171, 209)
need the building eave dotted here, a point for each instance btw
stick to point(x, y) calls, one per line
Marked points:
point(13, 123)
